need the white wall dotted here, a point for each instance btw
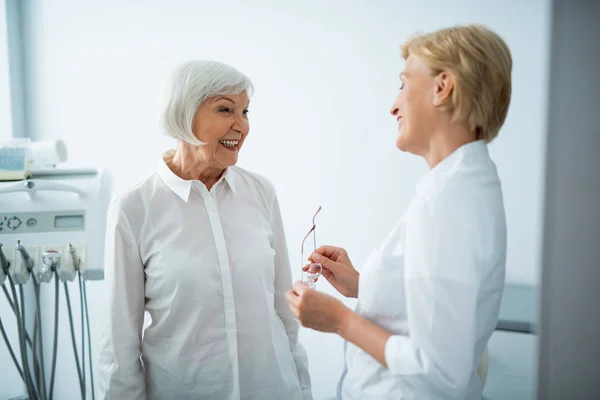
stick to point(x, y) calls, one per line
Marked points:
point(326, 74)
point(5, 113)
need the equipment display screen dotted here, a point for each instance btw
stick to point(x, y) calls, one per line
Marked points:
point(68, 221)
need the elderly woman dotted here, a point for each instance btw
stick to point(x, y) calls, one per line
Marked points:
point(429, 296)
point(200, 245)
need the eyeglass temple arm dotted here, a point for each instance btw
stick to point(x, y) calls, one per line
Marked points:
point(315, 216)
point(304, 240)
point(313, 229)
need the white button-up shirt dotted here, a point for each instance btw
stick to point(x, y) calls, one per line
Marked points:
point(211, 268)
point(436, 283)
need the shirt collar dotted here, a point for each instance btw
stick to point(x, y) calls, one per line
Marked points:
point(444, 168)
point(229, 177)
point(182, 187)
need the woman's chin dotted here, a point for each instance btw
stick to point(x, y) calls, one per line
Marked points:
point(228, 161)
point(228, 157)
point(401, 142)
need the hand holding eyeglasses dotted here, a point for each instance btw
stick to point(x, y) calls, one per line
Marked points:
point(337, 269)
point(315, 309)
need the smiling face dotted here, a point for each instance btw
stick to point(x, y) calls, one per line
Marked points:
point(222, 124)
point(415, 107)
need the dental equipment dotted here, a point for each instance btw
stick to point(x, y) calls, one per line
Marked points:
point(52, 227)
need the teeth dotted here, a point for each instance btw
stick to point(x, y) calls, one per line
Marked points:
point(229, 143)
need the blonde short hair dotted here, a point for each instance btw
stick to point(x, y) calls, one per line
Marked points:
point(481, 65)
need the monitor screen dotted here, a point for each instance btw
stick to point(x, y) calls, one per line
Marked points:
point(68, 221)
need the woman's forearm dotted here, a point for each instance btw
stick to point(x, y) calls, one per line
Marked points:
point(364, 334)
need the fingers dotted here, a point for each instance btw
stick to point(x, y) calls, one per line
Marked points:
point(326, 262)
point(294, 310)
point(292, 298)
point(329, 251)
point(300, 288)
point(293, 302)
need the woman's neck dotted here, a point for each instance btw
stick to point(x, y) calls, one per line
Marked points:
point(189, 164)
point(445, 142)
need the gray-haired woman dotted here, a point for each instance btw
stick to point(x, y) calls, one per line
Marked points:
point(200, 245)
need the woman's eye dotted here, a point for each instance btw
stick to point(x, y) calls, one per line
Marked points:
point(224, 109)
point(401, 86)
point(246, 112)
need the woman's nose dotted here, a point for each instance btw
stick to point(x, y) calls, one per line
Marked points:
point(394, 110)
point(241, 126)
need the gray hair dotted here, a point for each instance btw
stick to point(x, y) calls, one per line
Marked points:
point(191, 84)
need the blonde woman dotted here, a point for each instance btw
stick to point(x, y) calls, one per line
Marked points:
point(429, 296)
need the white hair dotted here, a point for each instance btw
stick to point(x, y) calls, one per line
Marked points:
point(191, 84)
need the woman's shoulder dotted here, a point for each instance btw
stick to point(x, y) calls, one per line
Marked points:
point(253, 180)
point(131, 198)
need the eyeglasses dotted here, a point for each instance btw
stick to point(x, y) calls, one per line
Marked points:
point(314, 269)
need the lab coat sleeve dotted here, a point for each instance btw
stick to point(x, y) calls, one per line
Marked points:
point(435, 360)
point(120, 370)
point(283, 283)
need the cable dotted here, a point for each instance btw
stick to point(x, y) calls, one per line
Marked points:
point(39, 371)
point(34, 386)
point(10, 350)
point(73, 337)
point(87, 319)
point(22, 332)
point(27, 337)
point(34, 348)
point(31, 389)
point(82, 334)
point(38, 316)
point(8, 298)
point(22, 345)
point(52, 374)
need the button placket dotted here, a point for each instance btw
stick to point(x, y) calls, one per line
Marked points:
point(210, 202)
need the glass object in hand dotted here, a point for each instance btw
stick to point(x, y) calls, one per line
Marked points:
point(314, 270)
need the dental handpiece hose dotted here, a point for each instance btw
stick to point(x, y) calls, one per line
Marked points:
point(84, 307)
point(29, 263)
point(77, 265)
point(74, 256)
point(25, 256)
point(4, 265)
point(22, 332)
point(3, 261)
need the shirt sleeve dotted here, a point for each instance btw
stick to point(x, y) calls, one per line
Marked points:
point(283, 283)
point(435, 360)
point(120, 370)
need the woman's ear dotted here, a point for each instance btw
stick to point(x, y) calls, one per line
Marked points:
point(444, 85)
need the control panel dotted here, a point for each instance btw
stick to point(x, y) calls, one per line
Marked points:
point(36, 222)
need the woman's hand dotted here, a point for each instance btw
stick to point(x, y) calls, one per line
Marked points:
point(317, 310)
point(324, 313)
point(337, 269)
